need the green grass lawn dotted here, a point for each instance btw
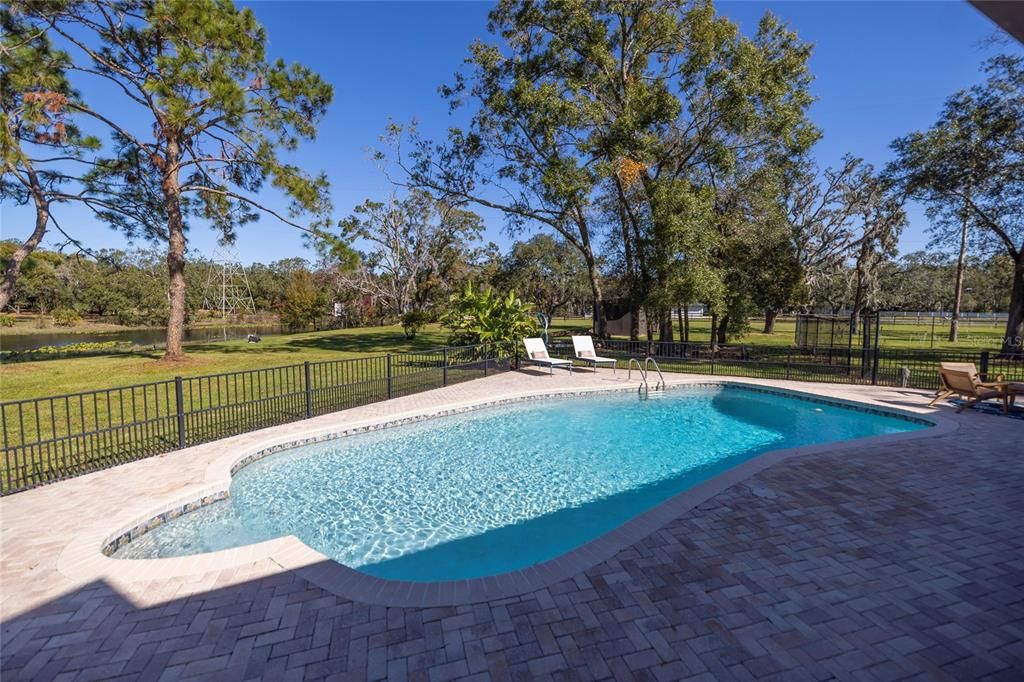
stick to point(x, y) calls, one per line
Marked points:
point(68, 375)
point(918, 336)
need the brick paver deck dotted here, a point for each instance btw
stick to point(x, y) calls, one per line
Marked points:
point(895, 561)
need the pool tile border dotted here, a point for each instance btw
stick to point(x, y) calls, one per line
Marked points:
point(291, 553)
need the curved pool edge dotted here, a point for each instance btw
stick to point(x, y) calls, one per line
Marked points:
point(290, 553)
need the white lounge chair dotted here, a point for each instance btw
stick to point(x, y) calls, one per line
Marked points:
point(584, 347)
point(538, 354)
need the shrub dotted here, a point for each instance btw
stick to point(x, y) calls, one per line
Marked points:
point(489, 317)
point(6, 320)
point(413, 321)
point(66, 317)
point(127, 317)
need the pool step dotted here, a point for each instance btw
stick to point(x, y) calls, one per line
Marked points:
point(654, 394)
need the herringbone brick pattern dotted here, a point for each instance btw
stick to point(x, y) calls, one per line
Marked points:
point(902, 562)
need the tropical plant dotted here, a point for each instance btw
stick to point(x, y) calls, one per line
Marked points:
point(476, 317)
point(6, 320)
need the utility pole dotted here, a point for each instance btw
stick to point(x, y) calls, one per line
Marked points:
point(227, 286)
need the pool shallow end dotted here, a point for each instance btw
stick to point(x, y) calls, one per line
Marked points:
point(289, 552)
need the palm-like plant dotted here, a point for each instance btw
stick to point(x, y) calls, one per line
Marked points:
point(488, 317)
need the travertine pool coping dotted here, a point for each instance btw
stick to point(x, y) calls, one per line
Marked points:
point(83, 556)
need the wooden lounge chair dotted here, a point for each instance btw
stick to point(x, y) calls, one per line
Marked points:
point(961, 378)
point(538, 354)
point(584, 347)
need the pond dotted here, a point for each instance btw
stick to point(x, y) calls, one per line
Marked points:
point(141, 337)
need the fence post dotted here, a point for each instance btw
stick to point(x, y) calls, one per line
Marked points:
point(389, 376)
point(874, 366)
point(789, 359)
point(179, 400)
point(713, 353)
point(309, 391)
point(444, 365)
point(983, 370)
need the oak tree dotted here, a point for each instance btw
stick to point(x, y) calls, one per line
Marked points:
point(972, 160)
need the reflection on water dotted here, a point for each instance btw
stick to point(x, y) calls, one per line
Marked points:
point(141, 337)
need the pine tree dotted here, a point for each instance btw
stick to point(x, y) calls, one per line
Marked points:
point(221, 114)
point(41, 146)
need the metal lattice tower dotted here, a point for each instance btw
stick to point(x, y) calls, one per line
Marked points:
point(227, 287)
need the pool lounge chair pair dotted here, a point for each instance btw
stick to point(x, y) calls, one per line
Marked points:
point(961, 379)
point(582, 345)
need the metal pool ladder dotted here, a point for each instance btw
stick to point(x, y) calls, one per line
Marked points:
point(644, 388)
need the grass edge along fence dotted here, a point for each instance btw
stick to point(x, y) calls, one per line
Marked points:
point(56, 437)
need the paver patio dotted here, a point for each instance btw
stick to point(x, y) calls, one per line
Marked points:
point(898, 560)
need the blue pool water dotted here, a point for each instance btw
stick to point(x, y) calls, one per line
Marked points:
point(501, 488)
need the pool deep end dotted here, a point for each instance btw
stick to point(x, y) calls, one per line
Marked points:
point(502, 488)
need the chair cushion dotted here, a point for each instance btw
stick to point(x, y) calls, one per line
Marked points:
point(539, 355)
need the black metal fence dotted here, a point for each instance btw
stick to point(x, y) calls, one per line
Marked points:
point(48, 439)
point(844, 365)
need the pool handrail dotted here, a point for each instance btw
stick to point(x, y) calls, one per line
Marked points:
point(647, 361)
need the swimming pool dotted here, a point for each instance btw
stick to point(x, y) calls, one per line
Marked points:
point(501, 488)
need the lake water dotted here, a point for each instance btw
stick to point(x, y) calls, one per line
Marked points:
point(142, 337)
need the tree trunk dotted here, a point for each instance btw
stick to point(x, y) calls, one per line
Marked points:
point(854, 319)
point(1013, 342)
point(958, 290)
point(665, 325)
point(175, 256)
point(13, 268)
point(682, 326)
point(714, 332)
point(769, 320)
point(723, 330)
point(600, 320)
point(856, 308)
point(631, 286)
point(686, 323)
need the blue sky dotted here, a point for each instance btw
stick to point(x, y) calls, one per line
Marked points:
point(882, 69)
